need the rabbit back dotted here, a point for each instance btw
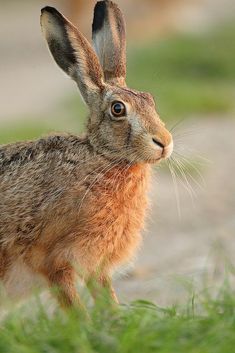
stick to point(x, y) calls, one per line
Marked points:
point(33, 176)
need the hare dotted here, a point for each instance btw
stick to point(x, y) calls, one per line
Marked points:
point(74, 206)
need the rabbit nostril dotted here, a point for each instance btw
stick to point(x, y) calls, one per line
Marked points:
point(158, 143)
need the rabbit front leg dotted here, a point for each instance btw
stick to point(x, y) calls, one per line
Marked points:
point(64, 280)
point(106, 282)
point(96, 283)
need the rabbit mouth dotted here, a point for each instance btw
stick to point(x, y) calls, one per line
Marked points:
point(164, 152)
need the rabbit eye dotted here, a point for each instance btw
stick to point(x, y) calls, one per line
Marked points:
point(118, 109)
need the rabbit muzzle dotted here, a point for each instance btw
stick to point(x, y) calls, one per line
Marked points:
point(163, 144)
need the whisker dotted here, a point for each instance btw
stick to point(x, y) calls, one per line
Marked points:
point(183, 177)
point(184, 168)
point(177, 124)
point(176, 190)
point(183, 160)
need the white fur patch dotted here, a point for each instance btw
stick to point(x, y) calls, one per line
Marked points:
point(168, 150)
point(135, 123)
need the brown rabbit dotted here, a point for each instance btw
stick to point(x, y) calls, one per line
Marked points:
point(78, 202)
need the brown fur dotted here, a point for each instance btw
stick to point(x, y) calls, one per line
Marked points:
point(75, 205)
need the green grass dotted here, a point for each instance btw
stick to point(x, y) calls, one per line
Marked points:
point(203, 326)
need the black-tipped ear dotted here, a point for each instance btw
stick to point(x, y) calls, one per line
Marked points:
point(109, 40)
point(57, 40)
point(100, 13)
point(73, 53)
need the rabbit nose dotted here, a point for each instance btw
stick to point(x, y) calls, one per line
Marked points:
point(166, 150)
point(157, 142)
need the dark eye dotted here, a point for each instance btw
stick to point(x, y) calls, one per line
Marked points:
point(118, 109)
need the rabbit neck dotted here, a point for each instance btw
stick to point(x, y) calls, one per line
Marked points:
point(123, 176)
point(113, 217)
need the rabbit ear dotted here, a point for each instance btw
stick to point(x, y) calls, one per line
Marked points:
point(73, 53)
point(109, 40)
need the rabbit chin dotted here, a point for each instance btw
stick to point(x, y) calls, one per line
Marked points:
point(146, 159)
point(152, 160)
point(150, 157)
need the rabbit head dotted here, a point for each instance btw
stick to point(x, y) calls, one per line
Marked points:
point(123, 123)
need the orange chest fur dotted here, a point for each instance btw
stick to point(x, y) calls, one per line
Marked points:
point(115, 215)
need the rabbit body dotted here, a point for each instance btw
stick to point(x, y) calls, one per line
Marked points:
point(74, 205)
point(62, 202)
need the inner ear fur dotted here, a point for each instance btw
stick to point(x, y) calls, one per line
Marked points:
point(73, 53)
point(109, 41)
